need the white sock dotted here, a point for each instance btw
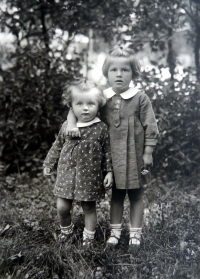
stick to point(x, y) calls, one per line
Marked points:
point(135, 236)
point(88, 234)
point(115, 233)
point(67, 230)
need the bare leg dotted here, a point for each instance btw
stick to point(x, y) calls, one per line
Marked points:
point(64, 207)
point(89, 209)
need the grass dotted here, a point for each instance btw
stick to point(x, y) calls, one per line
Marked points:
point(29, 230)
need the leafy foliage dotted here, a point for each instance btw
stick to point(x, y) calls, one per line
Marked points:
point(31, 109)
point(178, 112)
point(31, 83)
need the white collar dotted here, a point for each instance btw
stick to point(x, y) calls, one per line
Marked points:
point(86, 124)
point(132, 91)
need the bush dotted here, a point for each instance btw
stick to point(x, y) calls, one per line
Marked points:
point(177, 107)
point(31, 107)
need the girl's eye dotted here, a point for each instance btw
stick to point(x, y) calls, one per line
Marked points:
point(79, 104)
point(90, 104)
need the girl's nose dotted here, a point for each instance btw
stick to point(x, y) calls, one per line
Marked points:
point(85, 107)
point(119, 73)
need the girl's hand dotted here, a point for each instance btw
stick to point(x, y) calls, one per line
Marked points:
point(47, 171)
point(73, 132)
point(108, 181)
point(148, 160)
point(72, 129)
point(147, 156)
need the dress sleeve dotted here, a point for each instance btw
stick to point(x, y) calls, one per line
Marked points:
point(107, 161)
point(148, 121)
point(54, 153)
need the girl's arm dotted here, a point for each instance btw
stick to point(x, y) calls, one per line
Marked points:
point(107, 161)
point(148, 121)
point(149, 124)
point(54, 153)
point(72, 130)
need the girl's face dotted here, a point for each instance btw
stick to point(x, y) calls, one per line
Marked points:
point(85, 105)
point(120, 75)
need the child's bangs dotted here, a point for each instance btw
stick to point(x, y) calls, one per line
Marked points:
point(107, 63)
point(111, 59)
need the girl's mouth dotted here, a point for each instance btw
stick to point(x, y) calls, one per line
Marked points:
point(118, 81)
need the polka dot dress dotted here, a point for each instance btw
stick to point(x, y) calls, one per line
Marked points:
point(81, 162)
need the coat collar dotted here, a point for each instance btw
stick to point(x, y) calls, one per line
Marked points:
point(86, 124)
point(132, 91)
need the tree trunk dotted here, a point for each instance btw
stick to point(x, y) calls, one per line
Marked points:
point(197, 44)
point(45, 33)
point(171, 55)
point(196, 54)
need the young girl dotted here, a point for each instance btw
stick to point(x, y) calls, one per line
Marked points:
point(81, 161)
point(133, 136)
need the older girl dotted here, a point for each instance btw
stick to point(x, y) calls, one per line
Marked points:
point(81, 161)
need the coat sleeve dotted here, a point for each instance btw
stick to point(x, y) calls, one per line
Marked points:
point(54, 153)
point(148, 121)
point(107, 161)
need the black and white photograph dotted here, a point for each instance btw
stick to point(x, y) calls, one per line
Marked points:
point(99, 139)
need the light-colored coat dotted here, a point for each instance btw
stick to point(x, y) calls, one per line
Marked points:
point(132, 125)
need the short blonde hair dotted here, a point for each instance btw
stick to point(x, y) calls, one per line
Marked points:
point(83, 85)
point(124, 52)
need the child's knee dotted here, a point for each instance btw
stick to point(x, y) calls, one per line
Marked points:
point(88, 207)
point(63, 207)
